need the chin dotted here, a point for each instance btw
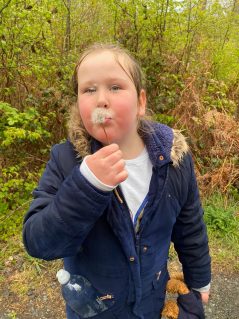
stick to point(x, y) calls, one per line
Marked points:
point(102, 139)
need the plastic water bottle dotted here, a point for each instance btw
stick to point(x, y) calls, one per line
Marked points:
point(81, 296)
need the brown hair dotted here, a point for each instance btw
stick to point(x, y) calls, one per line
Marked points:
point(131, 67)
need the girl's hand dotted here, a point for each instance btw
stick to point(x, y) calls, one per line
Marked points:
point(205, 296)
point(108, 165)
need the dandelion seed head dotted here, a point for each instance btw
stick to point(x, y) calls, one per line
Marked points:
point(99, 115)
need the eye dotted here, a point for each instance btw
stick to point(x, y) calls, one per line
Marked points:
point(115, 88)
point(90, 90)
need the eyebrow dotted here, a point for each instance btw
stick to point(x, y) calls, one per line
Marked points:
point(116, 79)
point(92, 82)
point(87, 83)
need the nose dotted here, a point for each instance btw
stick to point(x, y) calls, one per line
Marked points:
point(102, 98)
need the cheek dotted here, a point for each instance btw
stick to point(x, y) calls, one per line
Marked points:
point(85, 113)
point(128, 110)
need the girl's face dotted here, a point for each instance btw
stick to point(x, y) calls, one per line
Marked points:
point(102, 83)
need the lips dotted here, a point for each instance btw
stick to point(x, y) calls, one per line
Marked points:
point(101, 116)
point(108, 118)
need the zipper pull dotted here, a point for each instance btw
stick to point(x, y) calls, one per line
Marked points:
point(106, 297)
point(118, 195)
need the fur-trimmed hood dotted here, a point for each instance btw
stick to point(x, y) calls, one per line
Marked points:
point(179, 147)
point(163, 143)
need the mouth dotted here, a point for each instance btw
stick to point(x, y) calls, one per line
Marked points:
point(107, 119)
point(101, 116)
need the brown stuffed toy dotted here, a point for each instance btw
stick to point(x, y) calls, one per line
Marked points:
point(188, 304)
point(175, 285)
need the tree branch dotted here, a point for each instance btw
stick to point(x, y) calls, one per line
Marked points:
point(5, 6)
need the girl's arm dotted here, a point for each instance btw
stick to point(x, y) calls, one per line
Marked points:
point(63, 211)
point(190, 235)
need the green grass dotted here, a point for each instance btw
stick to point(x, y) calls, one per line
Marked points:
point(222, 220)
point(222, 217)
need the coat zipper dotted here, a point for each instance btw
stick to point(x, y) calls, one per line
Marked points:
point(138, 245)
point(119, 196)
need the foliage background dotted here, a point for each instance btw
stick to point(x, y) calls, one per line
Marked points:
point(189, 51)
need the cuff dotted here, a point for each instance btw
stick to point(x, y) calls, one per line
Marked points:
point(90, 176)
point(203, 289)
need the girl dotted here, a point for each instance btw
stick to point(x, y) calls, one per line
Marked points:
point(117, 192)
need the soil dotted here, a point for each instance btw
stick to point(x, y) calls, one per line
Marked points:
point(30, 292)
point(224, 297)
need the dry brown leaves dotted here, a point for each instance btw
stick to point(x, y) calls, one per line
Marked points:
point(214, 139)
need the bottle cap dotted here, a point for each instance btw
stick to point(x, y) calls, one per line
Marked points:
point(63, 276)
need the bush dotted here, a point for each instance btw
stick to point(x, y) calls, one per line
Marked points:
point(222, 217)
point(15, 195)
point(21, 127)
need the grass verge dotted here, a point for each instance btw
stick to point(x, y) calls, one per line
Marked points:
point(222, 220)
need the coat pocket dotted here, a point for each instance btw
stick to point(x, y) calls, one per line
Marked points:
point(104, 315)
point(160, 280)
point(153, 301)
point(85, 300)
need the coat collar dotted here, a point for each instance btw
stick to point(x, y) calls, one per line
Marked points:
point(158, 139)
point(163, 143)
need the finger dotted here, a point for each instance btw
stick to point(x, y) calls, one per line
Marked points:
point(108, 150)
point(205, 297)
point(121, 177)
point(119, 166)
point(114, 158)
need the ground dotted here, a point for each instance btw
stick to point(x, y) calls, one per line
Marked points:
point(29, 289)
point(224, 301)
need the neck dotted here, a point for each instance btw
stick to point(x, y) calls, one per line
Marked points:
point(132, 149)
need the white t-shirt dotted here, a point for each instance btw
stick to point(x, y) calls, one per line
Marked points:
point(136, 186)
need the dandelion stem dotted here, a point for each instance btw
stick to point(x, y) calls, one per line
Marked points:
point(108, 142)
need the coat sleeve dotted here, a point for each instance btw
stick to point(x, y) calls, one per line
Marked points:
point(62, 213)
point(190, 234)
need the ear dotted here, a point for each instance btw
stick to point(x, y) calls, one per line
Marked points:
point(142, 103)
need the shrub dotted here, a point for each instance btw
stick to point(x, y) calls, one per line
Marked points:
point(222, 217)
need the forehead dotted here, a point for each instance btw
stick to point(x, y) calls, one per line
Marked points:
point(104, 60)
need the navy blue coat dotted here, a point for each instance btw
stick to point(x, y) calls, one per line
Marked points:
point(92, 229)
